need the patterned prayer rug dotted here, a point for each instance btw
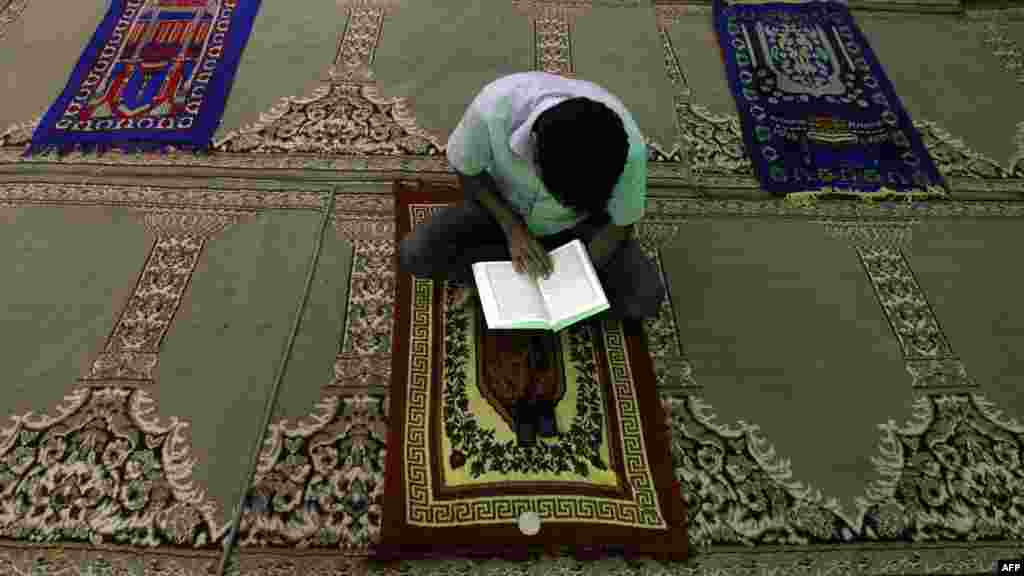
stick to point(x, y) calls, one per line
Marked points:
point(155, 75)
point(819, 115)
point(457, 479)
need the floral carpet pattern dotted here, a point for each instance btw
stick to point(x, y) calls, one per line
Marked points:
point(103, 470)
point(10, 10)
point(320, 481)
point(951, 475)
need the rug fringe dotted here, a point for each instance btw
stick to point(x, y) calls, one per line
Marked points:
point(760, 2)
point(127, 148)
point(809, 197)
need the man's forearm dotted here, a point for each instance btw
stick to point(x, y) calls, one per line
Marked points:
point(484, 189)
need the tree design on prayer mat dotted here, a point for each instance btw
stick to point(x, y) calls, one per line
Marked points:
point(474, 445)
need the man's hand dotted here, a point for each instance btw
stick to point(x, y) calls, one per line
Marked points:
point(527, 254)
point(604, 243)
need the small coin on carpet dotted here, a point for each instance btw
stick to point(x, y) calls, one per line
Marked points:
point(529, 523)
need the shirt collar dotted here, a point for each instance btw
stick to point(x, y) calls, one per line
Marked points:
point(520, 140)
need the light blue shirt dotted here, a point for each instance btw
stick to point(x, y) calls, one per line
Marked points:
point(495, 135)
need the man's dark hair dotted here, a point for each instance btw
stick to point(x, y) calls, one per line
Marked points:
point(581, 151)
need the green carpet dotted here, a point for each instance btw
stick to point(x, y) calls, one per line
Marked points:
point(855, 423)
point(185, 351)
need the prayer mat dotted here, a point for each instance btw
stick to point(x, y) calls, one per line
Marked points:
point(458, 483)
point(819, 115)
point(155, 75)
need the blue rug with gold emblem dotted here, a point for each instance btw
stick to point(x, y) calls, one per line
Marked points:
point(819, 115)
point(155, 75)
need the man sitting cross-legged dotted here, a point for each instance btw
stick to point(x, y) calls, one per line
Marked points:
point(543, 160)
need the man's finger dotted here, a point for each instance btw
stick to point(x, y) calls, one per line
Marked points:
point(537, 250)
point(544, 262)
point(541, 256)
point(534, 268)
point(539, 265)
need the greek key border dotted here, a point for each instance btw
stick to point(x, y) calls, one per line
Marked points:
point(421, 510)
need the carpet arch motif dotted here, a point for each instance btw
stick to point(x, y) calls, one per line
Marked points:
point(104, 468)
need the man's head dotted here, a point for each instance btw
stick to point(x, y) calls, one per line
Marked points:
point(581, 149)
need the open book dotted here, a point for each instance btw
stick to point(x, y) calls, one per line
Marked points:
point(515, 301)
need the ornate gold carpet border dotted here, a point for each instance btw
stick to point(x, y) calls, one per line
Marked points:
point(370, 207)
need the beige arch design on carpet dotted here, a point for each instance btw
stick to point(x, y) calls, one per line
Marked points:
point(928, 356)
point(957, 161)
point(103, 465)
point(10, 11)
point(18, 135)
point(736, 463)
point(136, 447)
point(348, 116)
point(877, 234)
point(346, 436)
point(739, 489)
point(363, 362)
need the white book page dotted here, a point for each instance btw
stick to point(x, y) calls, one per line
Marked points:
point(507, 295)
point(573, 286)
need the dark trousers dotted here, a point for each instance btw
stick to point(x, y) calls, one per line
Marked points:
point(447, 245)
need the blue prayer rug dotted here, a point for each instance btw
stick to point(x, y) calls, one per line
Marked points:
point(819, 115)
point(156, 74)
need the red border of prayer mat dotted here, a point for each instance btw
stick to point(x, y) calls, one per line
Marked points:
point(401, 540)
